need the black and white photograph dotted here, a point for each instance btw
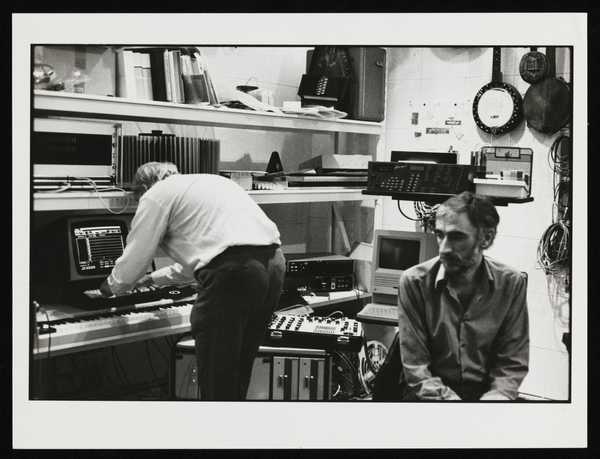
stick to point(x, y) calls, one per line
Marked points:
point(294, 232)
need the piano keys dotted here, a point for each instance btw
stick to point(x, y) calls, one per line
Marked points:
point(75, 334)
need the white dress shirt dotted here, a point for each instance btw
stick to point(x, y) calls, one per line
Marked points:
point(192, 218)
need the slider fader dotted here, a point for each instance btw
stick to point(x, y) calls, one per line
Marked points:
point(330, 333)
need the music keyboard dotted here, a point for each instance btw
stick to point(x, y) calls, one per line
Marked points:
point(384, 314)
point(111, 328)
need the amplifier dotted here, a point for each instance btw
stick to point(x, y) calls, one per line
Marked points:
point(389, 178)
point(331, 283)
point(62, 154)
point(301, 265)
point(328, 333)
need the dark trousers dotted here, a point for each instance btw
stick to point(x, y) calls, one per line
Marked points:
point(237, 294)
point(390, 384)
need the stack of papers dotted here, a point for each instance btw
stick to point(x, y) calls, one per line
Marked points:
point(315, 110)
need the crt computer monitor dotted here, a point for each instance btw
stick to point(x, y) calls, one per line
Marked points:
point(396, 251)
point(94, 244)
point(75, 253)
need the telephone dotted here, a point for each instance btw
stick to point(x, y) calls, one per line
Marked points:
point(328, 79)
point(322, 90)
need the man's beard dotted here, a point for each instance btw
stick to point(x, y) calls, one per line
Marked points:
point(455, 265)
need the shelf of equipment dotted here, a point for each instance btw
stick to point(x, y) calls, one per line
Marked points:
point(125, 202)
point(62, 104)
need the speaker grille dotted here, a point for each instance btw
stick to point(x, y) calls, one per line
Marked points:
point(386, 281)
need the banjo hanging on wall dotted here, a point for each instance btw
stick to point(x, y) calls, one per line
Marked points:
point(498, 106)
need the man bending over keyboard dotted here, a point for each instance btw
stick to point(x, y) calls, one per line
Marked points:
point(463, 324)
point(221, 238)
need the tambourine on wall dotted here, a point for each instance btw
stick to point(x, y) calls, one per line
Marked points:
point(498, 106)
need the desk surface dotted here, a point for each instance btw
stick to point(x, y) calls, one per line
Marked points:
point(548, 377)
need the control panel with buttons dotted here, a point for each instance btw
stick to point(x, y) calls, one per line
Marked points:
point(315, 332)
point(398, 177)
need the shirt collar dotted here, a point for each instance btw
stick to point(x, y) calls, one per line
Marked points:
point(440, 278)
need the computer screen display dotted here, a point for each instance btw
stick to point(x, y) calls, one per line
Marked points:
point(398, 253)
point(94, 244)
point(97, 246)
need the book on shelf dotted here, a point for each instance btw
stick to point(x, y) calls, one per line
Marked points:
point(146, 73)
point(167, 67)
point(168, 74)
point(126, 82)
point(202, 69)
point(177, 81)
point(194, 83)
point(140, 90)
point(157, 74)
point(134, 79)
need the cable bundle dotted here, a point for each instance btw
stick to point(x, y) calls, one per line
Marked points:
point(425, 214)
point(553, 250)
point(559, 158)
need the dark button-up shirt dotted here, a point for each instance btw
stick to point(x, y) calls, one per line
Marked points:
point(447, 348)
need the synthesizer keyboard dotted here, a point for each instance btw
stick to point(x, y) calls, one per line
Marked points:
point(329, 333)
point(384, 314)
point(92, 299)
point(111, 328)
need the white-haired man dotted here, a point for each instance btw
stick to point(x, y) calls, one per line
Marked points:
point(220, 237)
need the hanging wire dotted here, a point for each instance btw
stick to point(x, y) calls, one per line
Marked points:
point(109, 188)
point(406, 216)
point(558, 296)
point(559, 161)
point(553, 248)
point(426, 214)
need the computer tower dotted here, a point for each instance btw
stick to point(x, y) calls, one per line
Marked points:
point(277, 374)
point(367, 92)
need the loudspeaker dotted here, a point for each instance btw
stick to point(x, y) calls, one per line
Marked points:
point(367, 92)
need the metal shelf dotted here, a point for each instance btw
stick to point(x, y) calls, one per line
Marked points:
point(52, 103)
point(436, 198)
point(125, 202)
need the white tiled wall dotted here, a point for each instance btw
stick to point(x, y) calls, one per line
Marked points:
point(441, 82)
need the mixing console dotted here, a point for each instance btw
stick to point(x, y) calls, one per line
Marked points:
point(314, 332)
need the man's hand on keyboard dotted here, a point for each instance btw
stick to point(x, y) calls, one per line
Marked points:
point(145, 281)
point(105, 290)
point(93, 294)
